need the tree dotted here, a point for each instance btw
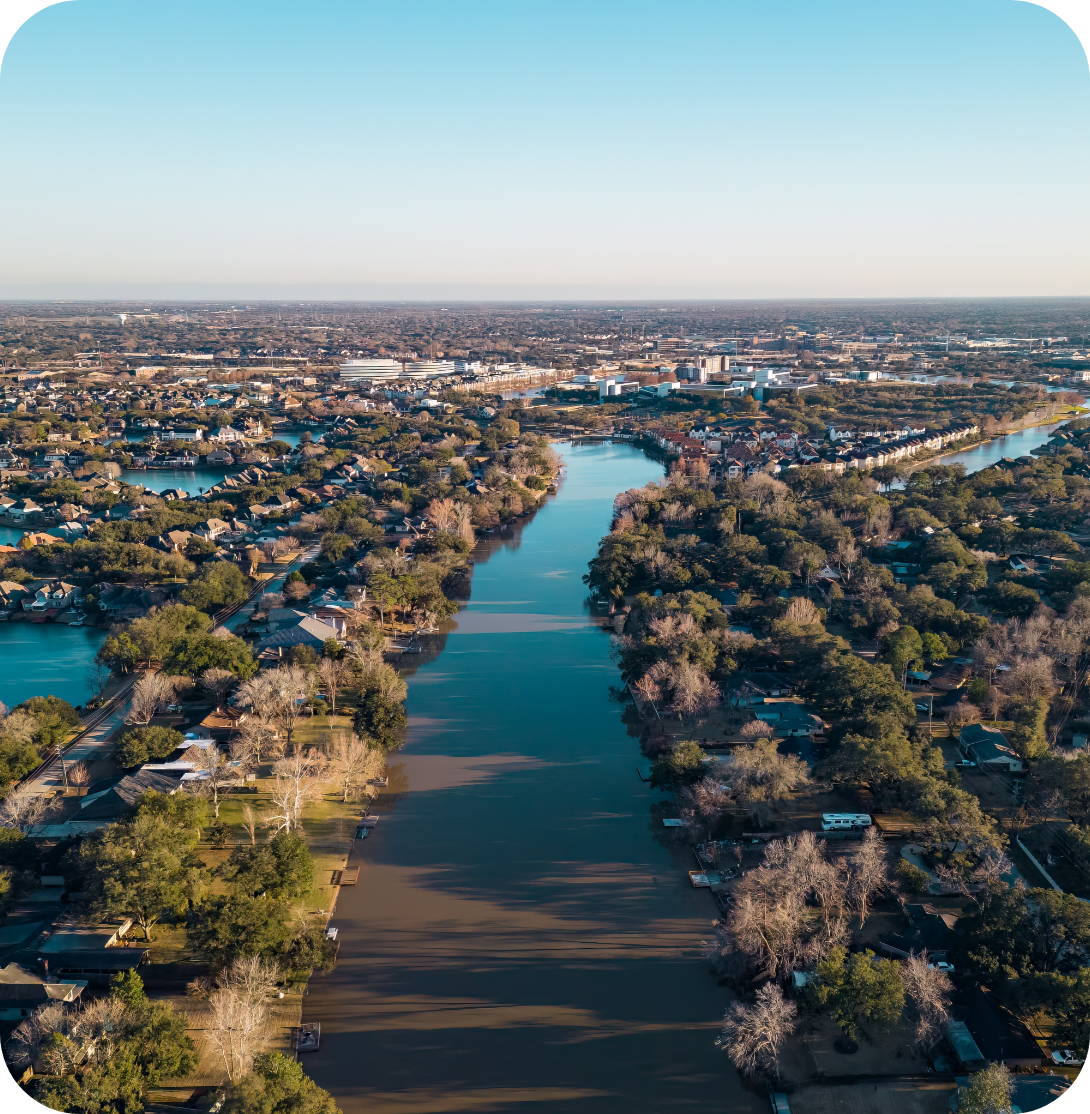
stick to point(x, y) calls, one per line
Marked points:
point(1013, 599)
point(151, 693)
point(144, 869)
point(297, 782)
point(928, 991)
point(278, 1085)
point(333, 674)
point(238, 1007)
point(680, 766)
point(1028, 737)
point(218, 584)
point(281, 868)
point(869, 874)
point(54, 717)
point(752, 1035)
point(218, 775)
point(858, 988)
point(181, 811)
point(382, 718)
point(128, 987)
point(903, 651)
point(143, 744)
point(236, 925)
point(989, 1091)
point(353, 764)
point(192, 654)
point(218, 682)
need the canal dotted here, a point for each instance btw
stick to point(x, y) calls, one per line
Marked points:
point(520, 936)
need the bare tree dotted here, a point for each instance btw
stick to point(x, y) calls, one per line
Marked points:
point(800, 610)
point(219, 683)
point(869, 873)
point(694, 691)
point(353, 764)
point(291, 687)
point(757, 729)
point(255, 742)
point(1032, 677)
point(298, 781)
point(928, 990)
point(219, 775)
point(152, 692)
point(251, 819)
point(334, 674)
point(24, 810)
point(753, 1035)
point(238, 1008)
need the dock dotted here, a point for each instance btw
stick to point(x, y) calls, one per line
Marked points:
point(346, 877)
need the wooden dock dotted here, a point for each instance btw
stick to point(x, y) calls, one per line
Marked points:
point(346, 877)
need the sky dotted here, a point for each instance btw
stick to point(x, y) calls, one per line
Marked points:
point(544, 149)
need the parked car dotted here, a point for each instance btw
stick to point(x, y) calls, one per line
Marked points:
point(964, 764)
point(942, 965)
point(1066, 1056)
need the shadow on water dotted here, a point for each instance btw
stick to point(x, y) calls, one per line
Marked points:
point(515, 940)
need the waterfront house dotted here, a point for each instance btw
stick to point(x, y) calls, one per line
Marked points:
point(307, 632)
point(12, 594)
point(50, 595)
point(23, 509)
point(788, 719)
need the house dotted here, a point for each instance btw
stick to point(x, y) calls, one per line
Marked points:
point(120, 797)
point(173, 541)
point(929, 930)
point(12, 594)
point(790, 719)
point(998, 1035)
point(22, 992)
point(211, 529)
point(989, 747)
point(51, 594)
point(172, 493)
point(22, 509)
point(307, 632)
point(220, 457)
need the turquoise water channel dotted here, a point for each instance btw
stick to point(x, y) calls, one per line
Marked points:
point(519, 939)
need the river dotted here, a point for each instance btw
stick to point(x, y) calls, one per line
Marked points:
point(519, 935)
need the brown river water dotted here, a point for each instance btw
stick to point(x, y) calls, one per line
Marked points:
point(520, 939)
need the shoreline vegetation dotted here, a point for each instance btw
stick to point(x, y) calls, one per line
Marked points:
point(790, 648)
point(227, 880)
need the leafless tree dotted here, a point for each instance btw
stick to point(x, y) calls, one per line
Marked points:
point(962, 713)
point(298, 781)
point(291, 687)
point(24, 810)
point(256, 741)
point(928, 990)
point(218, 682)
point(353, 764)
point(757, 729)
point(152, 692)
point(251, 820)
point(334, 674)
point(700, 805)
point(753, 1035)
point(846, 555)
point(1031, 677)
point(695, 693)
point(868, 873)
point(994, 702)
point(238, 1008)
point(20, 727)
point(649, 691)
point(219, 775)
point(800, 610)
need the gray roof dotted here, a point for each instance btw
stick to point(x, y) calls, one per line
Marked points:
point(121, 799)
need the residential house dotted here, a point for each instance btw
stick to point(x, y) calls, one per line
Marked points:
point(22, 992)
point(989, 747)
point(998, 1035)
point(307, 632)
point(51, 595)
point(23, 509)
point(787, 718)
point(211, 529)
point(12, 594)
point(929, 930)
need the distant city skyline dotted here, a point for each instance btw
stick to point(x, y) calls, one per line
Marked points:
point(547, 152)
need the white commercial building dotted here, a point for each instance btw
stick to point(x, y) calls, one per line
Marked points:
point(374, 370)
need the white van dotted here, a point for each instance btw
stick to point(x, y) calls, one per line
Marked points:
point(844, 821)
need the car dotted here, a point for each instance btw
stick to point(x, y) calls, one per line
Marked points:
point(923, 707)
point(942, 965)
point(174, 707)
point(964, 764)
point(1066, 1056)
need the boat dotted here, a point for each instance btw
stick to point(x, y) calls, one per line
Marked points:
point(309, 1037)
point(331, 933)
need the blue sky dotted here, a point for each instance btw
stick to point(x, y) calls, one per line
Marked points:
point(726, 149)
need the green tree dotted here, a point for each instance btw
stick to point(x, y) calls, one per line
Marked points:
point(681, 766)
point(381, 718)
point(1013, 599)
point(903, 651)
point(224, 928)
point(278, 1085)
point(913, 879)
point(859, 988)
point(1029, 737)
point(282, 868)
point(144, 869)
point(55, 719)
point(336, 546)
point(218, 584)
point(182, 811)
point(143, 744)
point(194, 653)
point(128, 987)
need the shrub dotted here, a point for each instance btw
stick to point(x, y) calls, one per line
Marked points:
point(913, 878)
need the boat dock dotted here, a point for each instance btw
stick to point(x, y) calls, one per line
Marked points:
point(346, 877)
